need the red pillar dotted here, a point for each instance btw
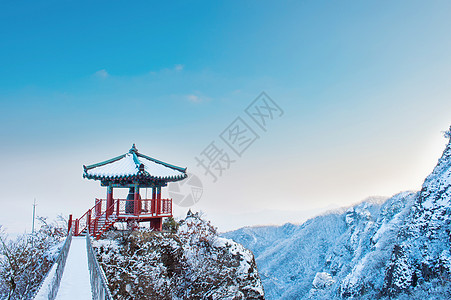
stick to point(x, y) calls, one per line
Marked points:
point(136, 201)
point(109, 201)
point(160, 224)
point(158, 200)
point(156, 224)
point(154, 193)
point(88, 220)
point(69, 224)
point(76, 227)
point(94, 232)
point(98, 207)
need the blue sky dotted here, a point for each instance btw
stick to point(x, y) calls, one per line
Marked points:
point(364, 87)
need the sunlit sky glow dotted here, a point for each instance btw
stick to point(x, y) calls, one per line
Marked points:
point(365, 89)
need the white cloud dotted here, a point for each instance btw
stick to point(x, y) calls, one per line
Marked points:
point(194, 99)
point(197, 97)
point(179, 67)
point(102, 73)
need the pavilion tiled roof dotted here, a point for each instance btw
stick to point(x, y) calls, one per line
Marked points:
point(134, 165)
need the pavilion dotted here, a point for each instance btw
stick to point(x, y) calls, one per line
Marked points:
point(134, 171)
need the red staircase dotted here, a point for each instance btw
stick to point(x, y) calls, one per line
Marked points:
point(100, 218)
point(95, 220)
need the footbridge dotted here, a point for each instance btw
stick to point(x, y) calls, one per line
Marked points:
point(76, 273)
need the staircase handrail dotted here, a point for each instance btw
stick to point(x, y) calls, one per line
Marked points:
point(102, 215)
point(60, 262)
point(99, 282)
point(89, 224)
point(85, 214)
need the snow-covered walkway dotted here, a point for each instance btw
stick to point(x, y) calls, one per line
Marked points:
point(75, 283)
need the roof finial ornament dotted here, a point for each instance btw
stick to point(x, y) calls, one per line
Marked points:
point(133, 149)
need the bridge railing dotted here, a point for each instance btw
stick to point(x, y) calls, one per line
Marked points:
point(51, 290)
point(99, 283)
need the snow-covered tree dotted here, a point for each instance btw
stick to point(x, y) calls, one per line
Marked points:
point(193, 263)
point(24, 261)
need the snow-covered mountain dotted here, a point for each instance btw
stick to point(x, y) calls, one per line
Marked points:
point(191, 263)
point(398, 248)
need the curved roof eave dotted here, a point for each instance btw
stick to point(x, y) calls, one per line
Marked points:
point(141, 172)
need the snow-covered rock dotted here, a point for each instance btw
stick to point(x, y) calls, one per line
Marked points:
point(322, 280)
point(193, 263)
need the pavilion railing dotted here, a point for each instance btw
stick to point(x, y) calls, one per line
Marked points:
point(99, 283)
point(59, 264)
point(146, 207)
point(100, 214)
point(166, 206)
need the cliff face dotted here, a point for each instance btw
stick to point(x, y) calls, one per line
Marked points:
point(394, 248)
point(422, 252)
point(192, 263)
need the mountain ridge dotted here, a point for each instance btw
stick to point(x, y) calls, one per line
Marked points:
point(398, 248)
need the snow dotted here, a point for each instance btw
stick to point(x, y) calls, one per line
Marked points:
point(54, 251)
point(126, 166)
point(122, 167)
point(236, 249)
point(75, 283)
point(158, 170)
point(322, 280)
point(46, 285)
